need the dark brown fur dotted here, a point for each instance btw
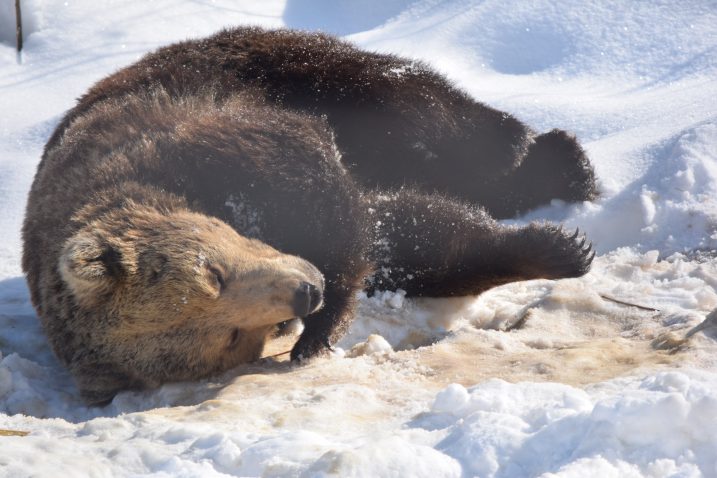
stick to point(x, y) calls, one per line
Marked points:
point(341, 159)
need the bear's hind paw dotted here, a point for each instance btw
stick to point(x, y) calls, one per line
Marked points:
point(557, 254)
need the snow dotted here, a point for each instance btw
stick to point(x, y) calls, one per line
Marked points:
point(539, 378)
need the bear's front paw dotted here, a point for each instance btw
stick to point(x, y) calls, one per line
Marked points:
point(308, 347)
point(558, 254)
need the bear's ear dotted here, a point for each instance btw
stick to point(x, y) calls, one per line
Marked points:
point(88, 264)
point(152, 265)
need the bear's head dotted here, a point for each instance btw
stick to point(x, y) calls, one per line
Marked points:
point(181, 295)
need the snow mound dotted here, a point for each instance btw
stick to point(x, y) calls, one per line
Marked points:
point(671, 207)
point(615, 429)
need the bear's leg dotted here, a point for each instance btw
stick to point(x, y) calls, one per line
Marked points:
point(329, 324)
point(100, 382)
point(447, 142)
point(432, 246)
point(555, 167)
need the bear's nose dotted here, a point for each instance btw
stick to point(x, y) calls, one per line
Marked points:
point(307, 299)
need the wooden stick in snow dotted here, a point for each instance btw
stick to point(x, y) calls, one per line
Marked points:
point(18, 26)
point(13, 433)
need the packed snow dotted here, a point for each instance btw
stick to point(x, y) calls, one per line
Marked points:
point(542, 378)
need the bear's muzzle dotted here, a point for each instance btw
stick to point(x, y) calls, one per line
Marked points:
point(308, 298)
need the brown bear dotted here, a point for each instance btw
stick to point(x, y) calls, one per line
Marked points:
point(192, 201)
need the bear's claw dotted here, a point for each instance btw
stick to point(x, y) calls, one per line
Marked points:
point(554, 253)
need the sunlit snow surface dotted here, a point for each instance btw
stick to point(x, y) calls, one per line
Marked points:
point(532, 379)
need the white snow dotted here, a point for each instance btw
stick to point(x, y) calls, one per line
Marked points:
point(537, 378)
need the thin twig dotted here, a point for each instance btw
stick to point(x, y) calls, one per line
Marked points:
point(629, 304)
point(277, 355)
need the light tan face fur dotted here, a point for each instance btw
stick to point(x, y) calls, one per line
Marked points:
point(161, 273)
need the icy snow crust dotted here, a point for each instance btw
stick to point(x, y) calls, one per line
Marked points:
point(531, 379)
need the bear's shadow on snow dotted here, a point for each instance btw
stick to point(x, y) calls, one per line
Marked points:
point(342, 17)
point(20, 330)
point(38, 133)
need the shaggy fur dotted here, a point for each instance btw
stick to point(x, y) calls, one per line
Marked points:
point(182, 202)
